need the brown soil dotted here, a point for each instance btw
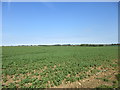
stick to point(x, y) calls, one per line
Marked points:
point(28, 84)
point(54, 67)
point(92, 81)
point(19, 78)
point(89, 82)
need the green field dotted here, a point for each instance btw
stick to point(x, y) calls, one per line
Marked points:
point(49, 66)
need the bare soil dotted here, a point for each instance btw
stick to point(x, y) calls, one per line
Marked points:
point(92, 81)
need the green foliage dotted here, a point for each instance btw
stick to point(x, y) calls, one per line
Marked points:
point(106, 80)
point(53, 63)
point(118, 77)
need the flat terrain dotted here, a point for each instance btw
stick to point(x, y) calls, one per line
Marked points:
point(60, 67)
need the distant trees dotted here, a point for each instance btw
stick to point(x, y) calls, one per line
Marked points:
point(89, 45)
point(94, 45)
point(66, 45)
point(57, 45)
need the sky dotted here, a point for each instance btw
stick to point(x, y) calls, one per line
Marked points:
point(59, 23)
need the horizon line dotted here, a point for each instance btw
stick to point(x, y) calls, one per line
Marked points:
point(61, 44)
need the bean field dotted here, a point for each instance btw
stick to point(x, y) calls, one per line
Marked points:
point(58, 66)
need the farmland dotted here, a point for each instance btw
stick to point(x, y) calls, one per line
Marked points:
point(59, 66)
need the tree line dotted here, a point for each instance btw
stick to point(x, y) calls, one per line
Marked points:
point(94, 45)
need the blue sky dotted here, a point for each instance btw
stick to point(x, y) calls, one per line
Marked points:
point(60, 22)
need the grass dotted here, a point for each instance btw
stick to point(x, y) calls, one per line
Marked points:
point(53, 63)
